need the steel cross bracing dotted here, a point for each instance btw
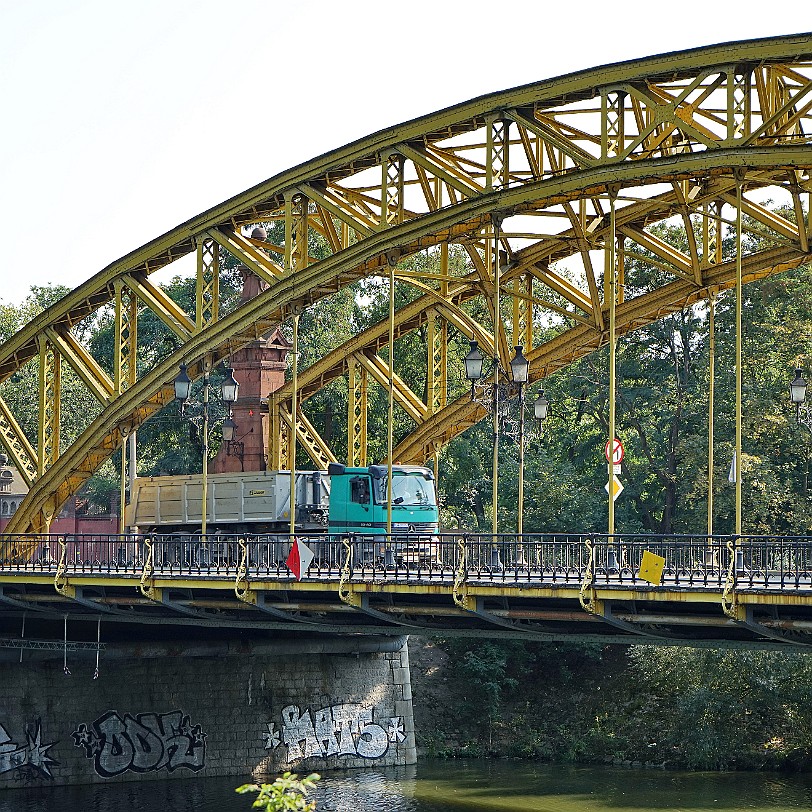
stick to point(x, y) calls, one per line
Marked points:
point(670, 137)
point(714, 590)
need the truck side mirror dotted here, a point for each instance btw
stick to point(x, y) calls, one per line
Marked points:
point(359, 490)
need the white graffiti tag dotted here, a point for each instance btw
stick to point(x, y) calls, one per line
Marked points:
point(344, 730)
point(31, 756)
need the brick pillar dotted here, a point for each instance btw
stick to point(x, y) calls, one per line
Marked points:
point(259, 368)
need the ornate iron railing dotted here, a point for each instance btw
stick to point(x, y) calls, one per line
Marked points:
point(689, 562)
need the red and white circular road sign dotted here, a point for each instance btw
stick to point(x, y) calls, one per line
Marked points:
point(617, 452)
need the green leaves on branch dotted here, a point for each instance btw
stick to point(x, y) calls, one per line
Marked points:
point(286, 794)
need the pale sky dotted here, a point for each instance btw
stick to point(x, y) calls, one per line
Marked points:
point(122, 120)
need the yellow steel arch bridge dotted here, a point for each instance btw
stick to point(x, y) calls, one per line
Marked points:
point(569, 172)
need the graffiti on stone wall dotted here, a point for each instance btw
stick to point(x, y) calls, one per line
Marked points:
point(29, 760)
point(144, 743)
point(338, 730)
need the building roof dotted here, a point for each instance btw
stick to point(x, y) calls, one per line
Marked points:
point(17, 488)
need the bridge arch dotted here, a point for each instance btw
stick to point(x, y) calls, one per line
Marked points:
point(684, 138)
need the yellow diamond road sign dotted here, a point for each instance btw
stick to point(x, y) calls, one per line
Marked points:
point(651, 568)
point(616, 487)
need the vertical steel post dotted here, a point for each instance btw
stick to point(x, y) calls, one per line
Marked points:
point(612, 290)
point(390, 412)
point(126, 347)
point(738, 356)
point(205, 472)
point(50, 381)
point(711, 392)
point(520, 519)
point(294, 407)
point(126, 449)
point(497, 322)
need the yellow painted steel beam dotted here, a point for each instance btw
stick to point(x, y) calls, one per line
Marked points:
point(244, 250)
point(357, 407)
point(440, 169)
point(550, 136)
point(392, 204)
point(405, 398)
point(311, 440)
point(224, 585)
point(207, 287)
point(83, 364)
point(771, 219)
point(680, 263)
point(167, 310)
point(21, 453)
point(341, 209)
point(50, 401)
point(126, 338)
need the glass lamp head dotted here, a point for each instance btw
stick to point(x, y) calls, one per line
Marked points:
point(519, 367)
point(797, 389)
point(473, 363)
point(183, 385)
point(230, 387)
point(540, 407)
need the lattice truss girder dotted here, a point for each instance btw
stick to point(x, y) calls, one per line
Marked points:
point(663, 139)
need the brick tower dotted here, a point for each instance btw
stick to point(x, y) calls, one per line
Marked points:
point(259, 368)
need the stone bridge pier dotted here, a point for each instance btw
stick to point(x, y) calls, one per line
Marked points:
point(172, 710)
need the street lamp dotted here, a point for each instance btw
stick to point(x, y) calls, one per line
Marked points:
point(230, 387)
point(498, 394)
point(198, 413)
point(540, 408)
point(519, 367)
point(797, 395)
point(506, 402)
point(183, 385)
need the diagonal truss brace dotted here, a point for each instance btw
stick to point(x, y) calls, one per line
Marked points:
point(82, 363)
point(15, 442)
point(379, 370)
point(311, 440)
point(168, 311)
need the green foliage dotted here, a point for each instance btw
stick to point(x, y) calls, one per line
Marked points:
point(725, 708)
point(286, 794)
point(674, 706)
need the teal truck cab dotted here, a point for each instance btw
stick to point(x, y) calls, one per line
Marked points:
point(359, 507)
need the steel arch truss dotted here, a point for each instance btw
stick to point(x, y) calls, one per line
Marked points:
point(679, 138)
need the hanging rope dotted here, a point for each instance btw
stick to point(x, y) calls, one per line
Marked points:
point(22, 637)
point(98, 646)
point(65, 657)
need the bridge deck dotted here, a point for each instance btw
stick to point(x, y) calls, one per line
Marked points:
point(741, 591)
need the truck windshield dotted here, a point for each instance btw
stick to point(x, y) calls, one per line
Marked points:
point(409, 490)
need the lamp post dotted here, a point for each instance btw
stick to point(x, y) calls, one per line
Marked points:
point(520, 370)
point(506, 402)
point(198, 413)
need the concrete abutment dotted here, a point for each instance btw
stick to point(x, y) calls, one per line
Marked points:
point(209, 709)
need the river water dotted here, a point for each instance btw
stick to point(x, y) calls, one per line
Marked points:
point(432, 786)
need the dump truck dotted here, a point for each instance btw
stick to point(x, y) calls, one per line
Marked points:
point(343, 501)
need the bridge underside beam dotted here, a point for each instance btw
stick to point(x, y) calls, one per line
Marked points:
point(659, 616)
